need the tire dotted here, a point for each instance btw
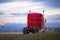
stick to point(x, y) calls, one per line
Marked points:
point(25, 30)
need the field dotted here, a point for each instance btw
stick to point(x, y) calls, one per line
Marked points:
point(35, 36)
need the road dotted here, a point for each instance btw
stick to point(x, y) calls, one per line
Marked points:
point(11, 33)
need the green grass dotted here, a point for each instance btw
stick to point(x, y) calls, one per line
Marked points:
point(36, 36)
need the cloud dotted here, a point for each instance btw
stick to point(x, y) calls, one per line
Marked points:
point(20, 7)
point(53, 21)
point(18, 14)
point(14, 12)
point(54, 17)
point(52, 11)
point(1, 13)
point(25, 6)
point(4, 1)
point(50, 3)
point(14, 8)
point(18, 20)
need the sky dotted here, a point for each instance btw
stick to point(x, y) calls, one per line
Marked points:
point(15, 11)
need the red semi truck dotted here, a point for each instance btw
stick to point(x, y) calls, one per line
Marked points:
point(35, 23)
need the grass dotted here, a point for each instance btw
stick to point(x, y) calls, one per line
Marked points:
point(36, 36)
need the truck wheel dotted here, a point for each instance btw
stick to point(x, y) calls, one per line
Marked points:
point(25, 30)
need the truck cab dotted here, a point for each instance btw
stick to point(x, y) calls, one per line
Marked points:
point(35, 22)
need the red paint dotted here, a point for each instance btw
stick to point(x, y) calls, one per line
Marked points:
point(35, 20)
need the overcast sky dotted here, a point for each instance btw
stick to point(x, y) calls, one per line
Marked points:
point(15, 11)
